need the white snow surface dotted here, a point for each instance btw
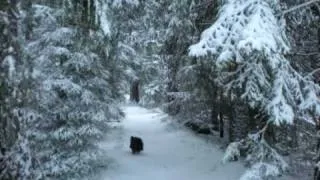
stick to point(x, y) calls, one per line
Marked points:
point(171, 152)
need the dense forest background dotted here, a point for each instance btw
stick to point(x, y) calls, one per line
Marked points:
point(246, 71)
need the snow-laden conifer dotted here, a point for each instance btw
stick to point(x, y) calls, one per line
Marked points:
point(248, 43)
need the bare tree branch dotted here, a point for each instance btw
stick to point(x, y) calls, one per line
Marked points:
point(303, 54)
point(298, 7)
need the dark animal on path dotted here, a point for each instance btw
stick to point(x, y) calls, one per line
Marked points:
point(136, 144)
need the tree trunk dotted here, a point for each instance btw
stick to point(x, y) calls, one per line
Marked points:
point(27, 6)
point(316, 174)
point(221, 125)
point(85, 11)
point(215, 109)
point(92, 14)
point(221, 120)
point(231, 118)
point(238, 117)
point(319, 37)
point(134, 92)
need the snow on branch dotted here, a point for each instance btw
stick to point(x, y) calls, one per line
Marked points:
point(263, 160)
point(119, 3)
point(242, 27)
point(232, 153)
point(260, 171)
point(250, 38)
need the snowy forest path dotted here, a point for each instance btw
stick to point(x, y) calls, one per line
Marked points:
point(170, 152)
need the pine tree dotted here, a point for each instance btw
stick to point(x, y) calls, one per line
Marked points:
point(15, 152)
point(247, 43)
point(262, 74)
point(71, 98)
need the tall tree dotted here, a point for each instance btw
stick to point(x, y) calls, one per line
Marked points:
point(247, 43)
point(74, 94)
point(260, 64)
point(59, 89)
point(14, 74)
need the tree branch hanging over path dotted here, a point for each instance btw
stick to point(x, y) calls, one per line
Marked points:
point(282, 13)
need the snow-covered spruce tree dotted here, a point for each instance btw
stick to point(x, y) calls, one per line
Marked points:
point(178, 34)
point(8, 129)
point(126, 29)
point(137, 34)
point(7, 59)
point(199, 98)
point(73, 95)
point(15, 157)
point(152, 41)
point(190, 92)
point(247, 43)
point(302, 27)
point(153, 72)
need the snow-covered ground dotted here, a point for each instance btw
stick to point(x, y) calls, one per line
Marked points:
point(170, 152)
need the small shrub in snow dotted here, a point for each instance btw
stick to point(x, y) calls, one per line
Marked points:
point(263, 160)
point(260, 171)
point(232, 153)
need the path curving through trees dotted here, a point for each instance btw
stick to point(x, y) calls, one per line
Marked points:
point(171, 152)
